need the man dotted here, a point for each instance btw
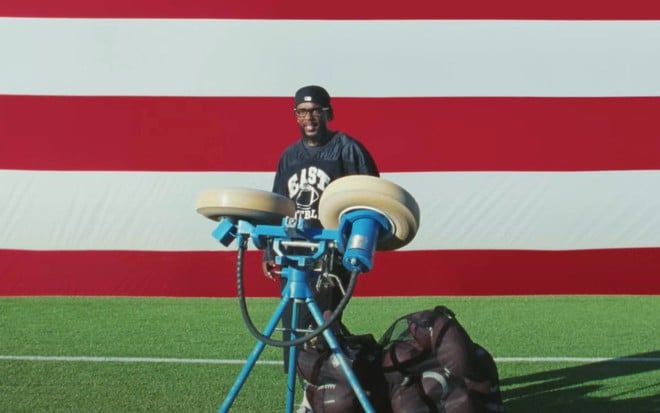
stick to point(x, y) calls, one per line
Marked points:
point(320, 156)
point(304, 171)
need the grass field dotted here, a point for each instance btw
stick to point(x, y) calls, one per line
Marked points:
point(172, 355)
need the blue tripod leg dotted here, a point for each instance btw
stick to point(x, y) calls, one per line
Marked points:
point(339, 355)
point(293, 357)
point(254, 356)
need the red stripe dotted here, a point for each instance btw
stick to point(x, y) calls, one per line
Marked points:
point(212, 274)
point(338, 9)
point(403, 134)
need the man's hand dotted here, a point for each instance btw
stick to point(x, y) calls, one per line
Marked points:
point(270, 269)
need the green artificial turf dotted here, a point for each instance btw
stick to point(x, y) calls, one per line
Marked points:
point(212, 329)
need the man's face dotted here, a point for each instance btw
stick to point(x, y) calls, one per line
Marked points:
point(312, 118)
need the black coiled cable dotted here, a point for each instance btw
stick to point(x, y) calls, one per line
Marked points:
point(242, 246)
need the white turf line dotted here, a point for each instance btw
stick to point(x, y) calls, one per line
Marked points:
point(279, 363)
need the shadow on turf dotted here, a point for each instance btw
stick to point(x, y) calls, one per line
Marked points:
point(568, 389)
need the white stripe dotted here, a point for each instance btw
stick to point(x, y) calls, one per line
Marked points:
point(577, 360)
point(535, 210)
point(155, 211)
point(86, 359)
point(181, 57)
point(111, 210)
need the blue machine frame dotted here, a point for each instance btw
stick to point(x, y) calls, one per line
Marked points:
point(355, 240)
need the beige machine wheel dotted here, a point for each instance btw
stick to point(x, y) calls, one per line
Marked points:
point(252, 205)
point(357, 192)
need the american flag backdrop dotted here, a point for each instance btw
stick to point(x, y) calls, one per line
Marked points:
point(528, 132)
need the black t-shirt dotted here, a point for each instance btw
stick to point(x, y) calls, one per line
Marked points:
point(304, 172)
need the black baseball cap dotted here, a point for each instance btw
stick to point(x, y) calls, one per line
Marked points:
point(314, 94)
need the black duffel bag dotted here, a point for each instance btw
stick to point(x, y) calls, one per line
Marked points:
point(328, 390)
point(432, 366)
